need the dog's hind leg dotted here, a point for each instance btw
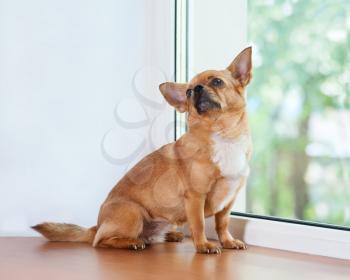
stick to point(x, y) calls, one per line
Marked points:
point(121, 225)
point(122, 243)
point(174, 235)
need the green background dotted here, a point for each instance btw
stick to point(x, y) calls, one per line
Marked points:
point(299, 104)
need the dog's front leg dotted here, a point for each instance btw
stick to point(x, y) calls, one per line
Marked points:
point(195, 215)
point(222, 219)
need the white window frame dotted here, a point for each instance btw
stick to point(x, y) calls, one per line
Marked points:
point(303, 237)
point(314, 240)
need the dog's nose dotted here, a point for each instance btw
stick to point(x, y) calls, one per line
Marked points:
point(198, 89)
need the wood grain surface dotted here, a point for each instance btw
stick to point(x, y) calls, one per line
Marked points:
point(34, 258)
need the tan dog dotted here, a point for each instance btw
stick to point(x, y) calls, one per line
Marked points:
point(195, 177)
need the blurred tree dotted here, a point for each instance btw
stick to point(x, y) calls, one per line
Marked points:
point(301, 71)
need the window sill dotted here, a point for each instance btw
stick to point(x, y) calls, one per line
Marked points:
point(288, 236)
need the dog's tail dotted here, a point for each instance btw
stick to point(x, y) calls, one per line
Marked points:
point(66, 232)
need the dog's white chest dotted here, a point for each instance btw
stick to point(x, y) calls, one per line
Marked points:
point(231, 155)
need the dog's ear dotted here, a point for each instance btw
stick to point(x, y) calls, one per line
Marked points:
point(241, 66)
point(175, 95)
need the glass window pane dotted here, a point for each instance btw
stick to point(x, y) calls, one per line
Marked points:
point(298, 100)
point(299, 104)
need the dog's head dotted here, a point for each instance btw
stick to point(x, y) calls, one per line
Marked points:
point(212, 92)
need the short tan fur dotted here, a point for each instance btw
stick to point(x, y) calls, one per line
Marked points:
point(197, 176)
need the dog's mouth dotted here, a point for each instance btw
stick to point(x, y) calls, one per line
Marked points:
point(203, 103)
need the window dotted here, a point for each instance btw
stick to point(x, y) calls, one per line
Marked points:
point(298, 101)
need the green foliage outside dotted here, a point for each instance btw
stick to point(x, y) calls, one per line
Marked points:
point(299, 103)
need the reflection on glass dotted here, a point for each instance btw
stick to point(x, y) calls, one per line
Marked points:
point(299, 103)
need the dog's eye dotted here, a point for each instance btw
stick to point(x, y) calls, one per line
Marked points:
point(189, 93)
point(216, 82)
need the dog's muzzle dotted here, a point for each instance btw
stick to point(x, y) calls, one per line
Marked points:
point(202, 101)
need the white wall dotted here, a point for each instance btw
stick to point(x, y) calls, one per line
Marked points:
point(217, 33)
point(66, 72)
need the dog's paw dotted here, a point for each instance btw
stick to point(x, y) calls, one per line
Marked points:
point(174, 236)
point(208, 248)
point(233, 244)
point(137, 246)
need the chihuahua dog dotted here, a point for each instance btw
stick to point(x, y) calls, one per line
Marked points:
point(197, 176)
